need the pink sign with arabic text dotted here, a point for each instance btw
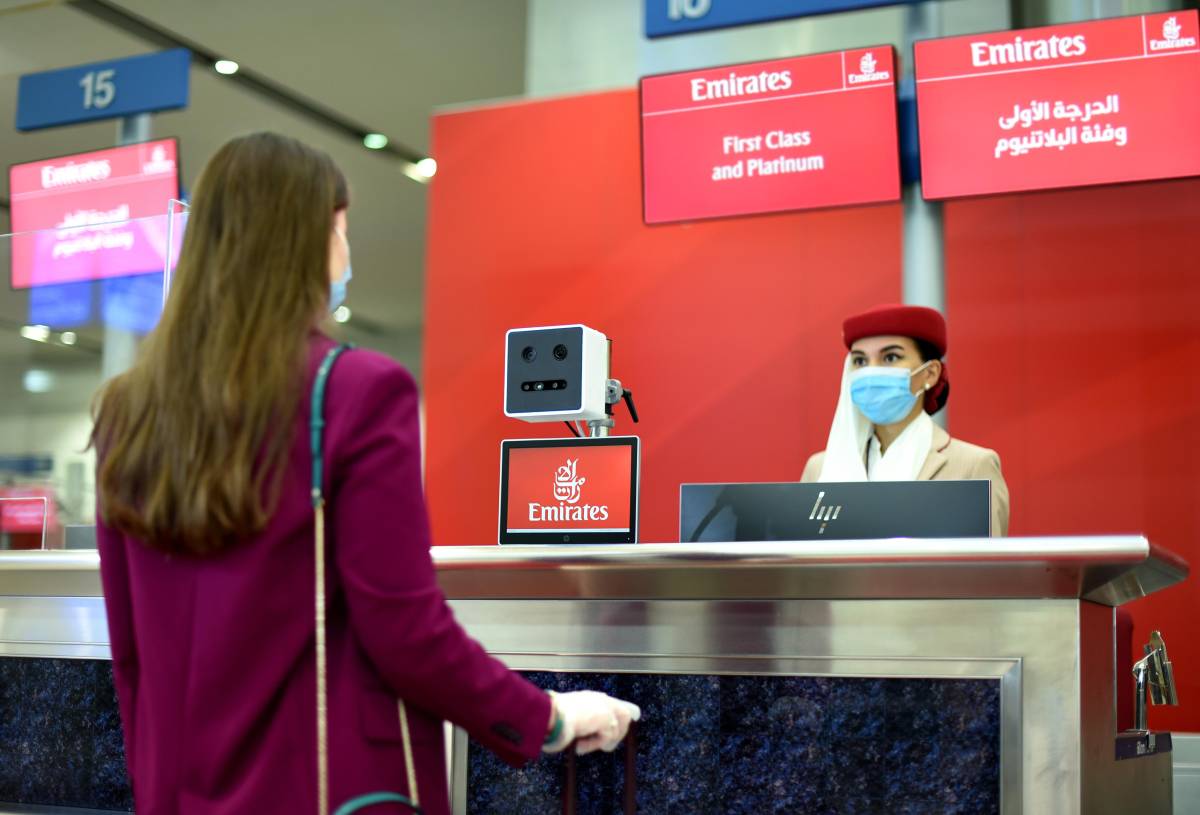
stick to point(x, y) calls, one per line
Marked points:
point(93, 215)
point(1097, 102)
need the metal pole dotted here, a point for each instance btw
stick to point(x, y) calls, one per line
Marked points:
point(924, 270)
point(133, 129)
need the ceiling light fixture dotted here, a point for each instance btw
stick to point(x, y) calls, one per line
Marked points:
point(38, 381)
point(37, 333)
point(427, 167)
point(226, 67)
point(421, 170)
point(342, 314)
point(69, 338)
point(375, 141)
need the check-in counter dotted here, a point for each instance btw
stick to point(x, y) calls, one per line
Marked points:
point(842, 676)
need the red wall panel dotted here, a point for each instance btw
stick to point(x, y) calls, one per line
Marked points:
point(1075, 334)
point(728, 332)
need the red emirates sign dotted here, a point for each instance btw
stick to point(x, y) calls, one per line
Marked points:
point(1063, 106)
point(801, 133)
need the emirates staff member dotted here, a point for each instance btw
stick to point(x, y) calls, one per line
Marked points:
point(894, 379)
point(206, 534)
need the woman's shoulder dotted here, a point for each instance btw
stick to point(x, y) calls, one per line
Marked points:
point(361, 367)
point(812, 470)
point(968, 453)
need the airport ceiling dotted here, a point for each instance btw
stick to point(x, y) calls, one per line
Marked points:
point(384, 64)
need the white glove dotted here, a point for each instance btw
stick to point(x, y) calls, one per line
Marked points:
point(592, 720)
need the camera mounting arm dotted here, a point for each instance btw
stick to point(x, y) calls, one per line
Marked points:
point(613, 393)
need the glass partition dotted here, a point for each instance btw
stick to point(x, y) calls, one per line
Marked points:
point(79, 300)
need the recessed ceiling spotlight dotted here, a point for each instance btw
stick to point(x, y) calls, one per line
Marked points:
point(375, 141)
point(226, 67)
point(38, 381)
point(427, 167)
point(69, 338)
point(37, 333)
point(342, 314)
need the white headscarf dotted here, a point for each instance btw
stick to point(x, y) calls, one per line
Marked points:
point(845, 451)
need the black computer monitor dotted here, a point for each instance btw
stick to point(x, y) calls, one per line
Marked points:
point(840, 511)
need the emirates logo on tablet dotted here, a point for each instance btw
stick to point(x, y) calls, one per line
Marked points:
point(568, 485)
point(567, 482)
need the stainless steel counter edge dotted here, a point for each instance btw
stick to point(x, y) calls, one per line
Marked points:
point(1106, 569)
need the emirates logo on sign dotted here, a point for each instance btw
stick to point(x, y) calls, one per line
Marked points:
point(158, 163)
point(868, 71)
point(1172, 33)
point(567, 482)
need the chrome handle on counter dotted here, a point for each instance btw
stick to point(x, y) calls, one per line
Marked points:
point(1153, 673)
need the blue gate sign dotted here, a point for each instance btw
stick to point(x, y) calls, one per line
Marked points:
point(132, 303)
point(104, 90)
point(666, 17)
point(63, 305)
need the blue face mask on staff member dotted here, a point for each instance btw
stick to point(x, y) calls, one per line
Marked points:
point(884, 395)
point(895, 350)
point(337, 287)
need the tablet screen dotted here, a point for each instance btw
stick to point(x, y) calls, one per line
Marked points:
point(569, 490)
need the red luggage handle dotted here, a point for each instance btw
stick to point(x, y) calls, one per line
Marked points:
point(628, 795)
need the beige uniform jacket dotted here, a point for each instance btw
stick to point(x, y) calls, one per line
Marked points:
point(951, 460)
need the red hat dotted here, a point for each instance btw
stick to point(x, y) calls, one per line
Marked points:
point(918, 322)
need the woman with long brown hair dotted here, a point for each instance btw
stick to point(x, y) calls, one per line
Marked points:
point(235, 697)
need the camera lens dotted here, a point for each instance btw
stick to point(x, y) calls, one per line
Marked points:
point(529, 354)
point(560, 352)
point(537, 386)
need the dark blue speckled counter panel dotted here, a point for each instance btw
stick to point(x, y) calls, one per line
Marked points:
point(708, 744)
point(60, 734)
point(751, 745)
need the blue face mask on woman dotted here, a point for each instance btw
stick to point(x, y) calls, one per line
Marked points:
point(883, 395)
point(337, 288)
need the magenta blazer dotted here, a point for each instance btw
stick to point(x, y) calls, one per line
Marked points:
point(213, 658)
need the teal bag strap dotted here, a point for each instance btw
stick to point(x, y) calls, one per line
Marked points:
point(316, 428)
point(373, 798)
point(316, 420)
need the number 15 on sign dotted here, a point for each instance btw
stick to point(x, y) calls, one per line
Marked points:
point(99, 88)
point(104, 90)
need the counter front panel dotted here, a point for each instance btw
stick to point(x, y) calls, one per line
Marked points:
point(60, 735)
point(746, 745)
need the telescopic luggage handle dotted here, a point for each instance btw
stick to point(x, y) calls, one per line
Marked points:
point(629, 792)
